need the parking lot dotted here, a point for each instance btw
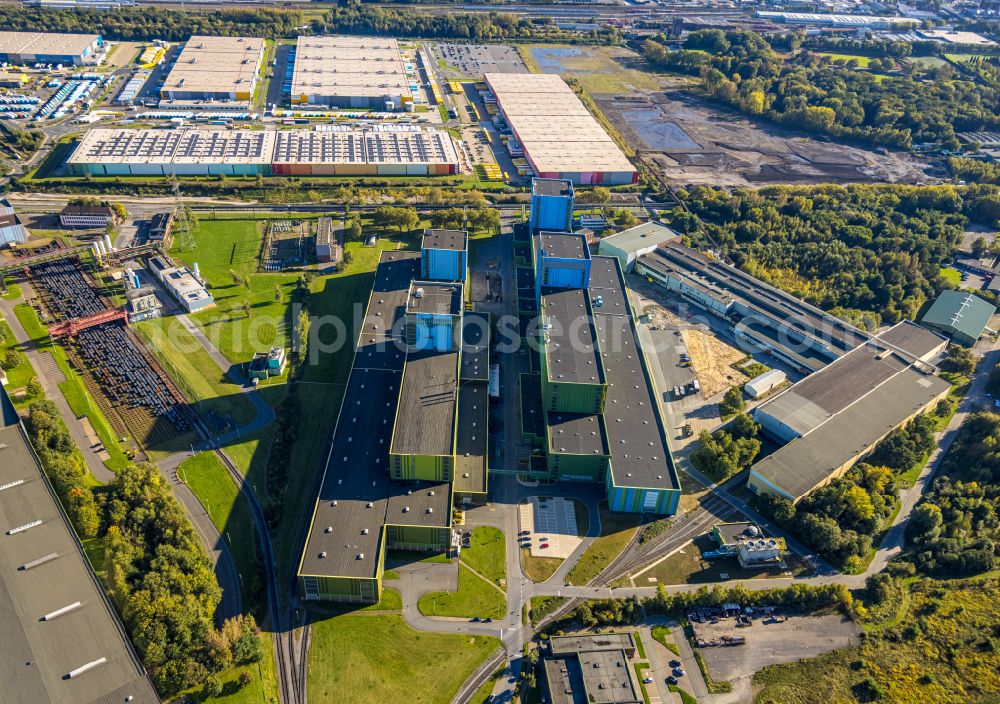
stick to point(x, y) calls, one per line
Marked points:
point(549, 522)
point(473, 60)
point(770, 641)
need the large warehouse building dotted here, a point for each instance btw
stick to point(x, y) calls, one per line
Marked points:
point(350, 72)
point(559, 136)
point(27, 48)
point(830, 420)
point(215, 68)
point(62, 640)
point(399, 456)
point(380, 150)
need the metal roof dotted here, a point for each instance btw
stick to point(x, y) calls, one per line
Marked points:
point(959, 312)
point(644, 236)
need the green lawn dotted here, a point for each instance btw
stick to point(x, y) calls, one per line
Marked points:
point(475, 597)
point(952, 276)
point(688, 567)
point(538, 569)
point(20, 375)
point(487, 554)
point(863, 61)
point(617, 529)
point(212, 394)
point(373, 659)
point(542, 606)
point(662, 635)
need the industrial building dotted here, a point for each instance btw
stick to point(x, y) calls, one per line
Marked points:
point(847, 21)
point(765, 383)
point(62, 641)
point(28, 48)
point(381, 150)
point(551, 205)
point(830, 420)
point(745, 542)
point(351, 72)
point(558, 135)
point(765, 319)
point(328, 247)
point(591, 669)
point(184, 284)
point(443, 255)
point(399, 457)
point(628, 245)
point(97, 215)
point(215, 68)
point(961, 316)
point(12, 230)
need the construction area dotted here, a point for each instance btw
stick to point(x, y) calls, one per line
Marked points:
point(133, 392)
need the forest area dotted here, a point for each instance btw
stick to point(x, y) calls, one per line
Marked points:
point(896, 108)
point(871, 254)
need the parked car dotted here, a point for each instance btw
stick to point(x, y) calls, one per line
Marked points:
point(678, 671)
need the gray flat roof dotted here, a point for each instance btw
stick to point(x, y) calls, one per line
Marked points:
point(648, 234)
point(216, 65)
point(607, 677)
point(565, 245)
point(445, 239)
point(571, 352)
point(357, 470)
point(435, 298)
point(475, 347)
point(564, 681)
point(804, 463)
point(472, 442)
point(576, 434)
point(46, 43)
point(918, 341)
point(551, 187)
point(637, 440)
point(425, 423)
point(593, 642)
point(36, 655)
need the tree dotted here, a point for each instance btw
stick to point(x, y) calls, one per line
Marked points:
point(245, 307)
point(245, 679)
point(959, 359)
point(212, 687)
point(120, 211)
point(354, 232)
point(732, 403)
point(33, 389)
point(598, 195)
point(13, 359)
point(278, 296)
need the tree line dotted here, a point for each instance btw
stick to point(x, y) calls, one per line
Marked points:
point(135, 24)
point(863, 252)
point(157, 572)
point(741, 69)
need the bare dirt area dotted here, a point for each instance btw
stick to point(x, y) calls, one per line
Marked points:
point(693, 142)
point(712, 361)
point(794, 639)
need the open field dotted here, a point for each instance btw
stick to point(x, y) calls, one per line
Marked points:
point(862, 61)
point(475, 597)
point(538, 569)
point(374, 659)
point(935, 650)
point(601, 70)
point(712, 361)
point(487, 554)
point(617, 529)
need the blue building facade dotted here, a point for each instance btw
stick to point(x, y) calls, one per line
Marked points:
point(444, 255)
point(562, 260)
point(551, 205)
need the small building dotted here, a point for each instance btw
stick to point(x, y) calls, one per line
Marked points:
point(183, 283)
point(12, 230)
point(551, 204)
point(271, 363)
point(591, 669)
point(961, 316)
point(760, 385)
point(628, 245)
point(142, 304)
point(745, 541)
point(95, 215)
point(328, 247)
point(444, 255)
point(591, 221)
point(161, 226)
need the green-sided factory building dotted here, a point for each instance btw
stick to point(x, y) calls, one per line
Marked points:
point(399, 458)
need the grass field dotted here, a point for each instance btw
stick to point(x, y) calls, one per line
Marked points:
point(20, 375)
point(487, 554)
point(617, 529)
point(475, 597)
point(538, 569)
point(373, 659)
point(212, 394)
point(952, 276)
point(688, 567)
point(542, 606)
point(938, 649)
point(603, 70)
point(863, 61)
